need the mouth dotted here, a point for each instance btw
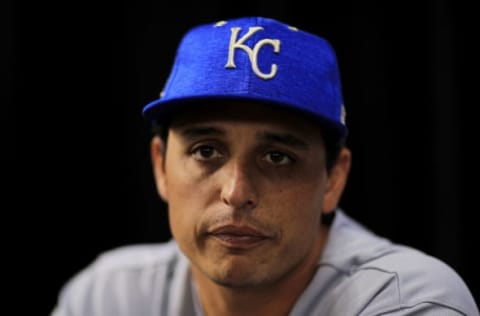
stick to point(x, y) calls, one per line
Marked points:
point(238, 237)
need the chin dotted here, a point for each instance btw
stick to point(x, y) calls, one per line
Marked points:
point(235, 275)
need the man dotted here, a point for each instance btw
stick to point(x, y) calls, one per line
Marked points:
point(250, 156)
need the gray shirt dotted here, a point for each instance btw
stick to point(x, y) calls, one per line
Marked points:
point(359, 273)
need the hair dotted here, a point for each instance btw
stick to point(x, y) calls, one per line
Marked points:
point(333, 146)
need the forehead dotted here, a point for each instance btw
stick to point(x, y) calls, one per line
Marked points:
point(244, 111)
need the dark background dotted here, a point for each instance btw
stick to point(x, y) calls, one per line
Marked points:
point(79, 73)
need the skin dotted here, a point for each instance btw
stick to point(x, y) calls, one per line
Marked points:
point(245, 192)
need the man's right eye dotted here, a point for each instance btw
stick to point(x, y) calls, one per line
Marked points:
point(205, 152)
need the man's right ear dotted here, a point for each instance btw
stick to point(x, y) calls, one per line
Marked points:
point(157, 153)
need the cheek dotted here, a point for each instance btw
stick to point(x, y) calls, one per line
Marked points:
point(296, 214)
point(187, 197)
point(180, 179)
point(183, 213)
point(299, 206)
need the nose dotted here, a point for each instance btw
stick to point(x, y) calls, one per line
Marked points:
point(239, 190)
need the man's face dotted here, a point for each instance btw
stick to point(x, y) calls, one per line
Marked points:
point(245, 191)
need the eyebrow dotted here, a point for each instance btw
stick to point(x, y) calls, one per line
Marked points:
point(283, 138)
point(196, 131)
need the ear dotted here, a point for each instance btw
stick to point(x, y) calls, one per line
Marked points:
point(336, 180)
point(158, 153)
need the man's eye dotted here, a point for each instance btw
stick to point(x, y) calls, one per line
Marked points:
point(278, 158)
point(205, 153)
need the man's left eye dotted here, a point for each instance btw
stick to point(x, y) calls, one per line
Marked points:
point(278, 158)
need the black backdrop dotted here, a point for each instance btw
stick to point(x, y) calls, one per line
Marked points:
point(78, 75)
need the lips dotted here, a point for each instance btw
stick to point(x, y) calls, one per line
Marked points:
point(238, 237)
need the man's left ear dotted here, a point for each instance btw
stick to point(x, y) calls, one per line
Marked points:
point(337, 180)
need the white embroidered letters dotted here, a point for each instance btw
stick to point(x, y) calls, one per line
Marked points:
point(252, 53)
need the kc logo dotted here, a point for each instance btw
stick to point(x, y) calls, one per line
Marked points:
point(252, 52)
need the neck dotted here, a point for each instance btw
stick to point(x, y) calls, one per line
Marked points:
point(240, 302)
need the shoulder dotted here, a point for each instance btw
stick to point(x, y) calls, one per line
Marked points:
point(133, 257)
point(384, 277)
point(131, 260)
point(134, 272)
point(412, 280)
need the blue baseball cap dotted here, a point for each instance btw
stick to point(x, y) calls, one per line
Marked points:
point(258, 59)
